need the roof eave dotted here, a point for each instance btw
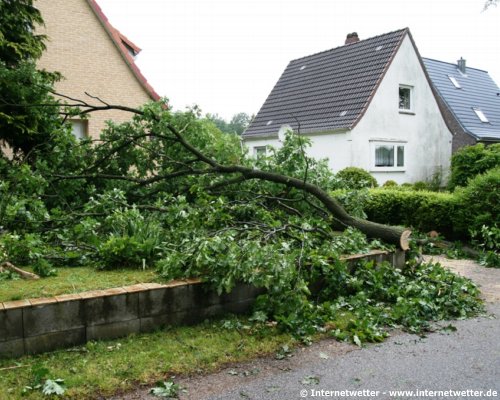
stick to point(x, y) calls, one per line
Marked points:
point(114, 35)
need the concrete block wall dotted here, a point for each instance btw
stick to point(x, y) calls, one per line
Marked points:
point(40, 325)
point(45, 324)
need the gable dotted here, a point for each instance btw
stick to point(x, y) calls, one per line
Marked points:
point(328, 90)
point(90, 53)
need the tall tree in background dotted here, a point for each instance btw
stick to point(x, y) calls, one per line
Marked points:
point(22, 126)
point(239, 122)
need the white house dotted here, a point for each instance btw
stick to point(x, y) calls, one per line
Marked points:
point(367, 104)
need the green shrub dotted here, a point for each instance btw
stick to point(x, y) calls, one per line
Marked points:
point(353, 201)
point(471, 161)
point(390, 183)
point(356, 178)
point(421, 210)
point(421, 185)
point(134, 240)
point(488, 240)
point(478, 203)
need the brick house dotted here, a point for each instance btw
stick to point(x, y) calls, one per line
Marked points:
point(93, 57)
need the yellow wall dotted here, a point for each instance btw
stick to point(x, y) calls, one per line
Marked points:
point(79, 47)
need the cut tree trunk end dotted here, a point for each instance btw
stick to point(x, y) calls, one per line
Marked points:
point(24, 274)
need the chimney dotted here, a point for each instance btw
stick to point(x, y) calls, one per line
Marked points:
point(352, 38)
point(461, 65)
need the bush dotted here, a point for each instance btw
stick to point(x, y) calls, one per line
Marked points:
point(421, 210)
point(390, 183)
point(478, 203)
point(488, 240)
point(356, 178)
point(420, 185)
point(471, 161)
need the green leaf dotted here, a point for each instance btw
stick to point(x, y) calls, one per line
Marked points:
point(167, 389)
point(51, 387)
point(310, 380)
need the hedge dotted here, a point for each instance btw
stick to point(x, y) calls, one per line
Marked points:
point(421, 210)
point(452, 214)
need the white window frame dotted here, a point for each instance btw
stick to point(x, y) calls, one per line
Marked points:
point(83, 127)
point(259, 151)
point(410, 110)
point(481, 115)
point(455, 82)
point(388, 142)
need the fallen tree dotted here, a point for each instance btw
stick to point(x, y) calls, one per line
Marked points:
point(159, 126)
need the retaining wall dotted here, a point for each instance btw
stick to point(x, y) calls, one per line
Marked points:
point(45, 324)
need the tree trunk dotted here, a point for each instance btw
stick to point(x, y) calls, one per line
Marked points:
point(24, 274)
point(390, 234)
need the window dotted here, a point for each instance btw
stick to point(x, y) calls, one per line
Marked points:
point(480, 115)
point(79, 128)
point(388, 156)
point(454, 81)
point(260, 151)
point(405, 98)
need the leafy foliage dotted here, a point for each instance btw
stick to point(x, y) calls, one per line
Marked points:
point(167, 389)
point(356, 178)
point(479, 202)
point(488, 241)
point(423, 210)
point(239, 122)
point(470, 161)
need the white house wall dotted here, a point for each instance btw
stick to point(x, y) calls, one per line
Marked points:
point(336, 147)
point(424, 133)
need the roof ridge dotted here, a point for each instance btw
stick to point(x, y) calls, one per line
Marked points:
point(450, 63)
point(350, 44)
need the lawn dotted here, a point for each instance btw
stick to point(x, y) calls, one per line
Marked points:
point(104, 368)
point(72, 280)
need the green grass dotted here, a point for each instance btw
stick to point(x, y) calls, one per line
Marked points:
point(104, 368)
point(72, 280)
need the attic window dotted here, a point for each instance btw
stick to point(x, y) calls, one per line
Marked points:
point(480, 115)
point(405, 98)
point(454, 81)
point(303, 67)
point(269, 123)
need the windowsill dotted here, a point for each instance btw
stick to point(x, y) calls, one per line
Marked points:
point(388, 169)
point(408, 112)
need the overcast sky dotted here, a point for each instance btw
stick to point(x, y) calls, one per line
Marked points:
point(226, 55)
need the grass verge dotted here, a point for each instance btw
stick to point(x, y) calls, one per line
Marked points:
point(104, 368)
point(72, 280)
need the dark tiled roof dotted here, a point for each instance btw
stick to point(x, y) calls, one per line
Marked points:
point(328, 90)
point(478, 91)
point(121, 42)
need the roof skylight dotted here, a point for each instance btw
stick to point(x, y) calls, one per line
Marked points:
point(303, 67)
point(379, 48)
point(343, 113)
point(269, 123)
point(480, 115)
point(454, 81)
